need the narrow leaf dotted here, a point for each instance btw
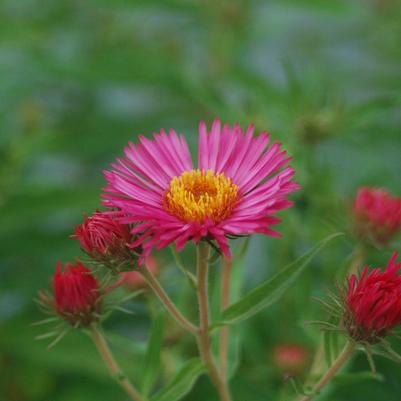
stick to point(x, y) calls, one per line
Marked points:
point(327, 339)
point(152, 359)
point(180, 264)
point(47, 335)
point(357, 376)
point(273, 288)
point(58, 338)
point(45, 321)
point(299, 388)
point(182, 383)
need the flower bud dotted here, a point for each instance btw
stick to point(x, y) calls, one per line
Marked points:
point(290, 358)
point(377, 215)
point(76, 294)
point(106, 240)
point(373, 303)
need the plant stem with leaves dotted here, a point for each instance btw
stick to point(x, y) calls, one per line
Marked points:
point(166, 301)
point(357, 261)
point(114, 368)
point(335, 367)
point(204, 340)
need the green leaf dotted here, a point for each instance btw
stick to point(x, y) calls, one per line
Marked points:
point(299, 388)
point(330, 343)
point(182, 382)
point(327, 347)
point(273, 288)
point(347, 378)
point(152, 359)
point(180, 264)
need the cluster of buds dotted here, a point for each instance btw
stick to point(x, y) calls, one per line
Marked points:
point(107, 241)
point(76, 295)
point(372, 303)
point(377, 215)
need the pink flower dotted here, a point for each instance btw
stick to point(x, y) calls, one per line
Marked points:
point(76, 293)
point(290, 358)
point(239, 185)
point(106, 240)
point(373, 302)
point(377, 214)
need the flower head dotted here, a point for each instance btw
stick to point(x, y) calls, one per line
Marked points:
point(238, 186)
point(373, 302)
point(290, 358)
point(377, 215)
point(76, 294)
point(105, 240)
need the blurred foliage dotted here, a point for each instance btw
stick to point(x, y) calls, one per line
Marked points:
point(78, 79)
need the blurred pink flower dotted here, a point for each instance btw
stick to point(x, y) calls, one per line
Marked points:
point(290, 358)
point(377, 214)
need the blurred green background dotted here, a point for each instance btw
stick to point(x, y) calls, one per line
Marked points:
point(78, 79)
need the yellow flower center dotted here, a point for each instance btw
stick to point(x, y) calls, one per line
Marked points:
point(198, 195)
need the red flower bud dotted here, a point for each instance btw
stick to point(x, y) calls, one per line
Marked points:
point(105, 240)
point(290, 358)
point(373, 302)
point(377, 215)
point(76, 294)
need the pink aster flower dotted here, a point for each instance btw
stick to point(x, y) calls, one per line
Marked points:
point(373, 302)
point(239, 184)
point(377, 214)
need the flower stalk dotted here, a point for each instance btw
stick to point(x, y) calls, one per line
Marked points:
point(358, 259)
point(111, 363)
point(166, 301)
point(204, 340)
point(225, 301)
point(335, 367)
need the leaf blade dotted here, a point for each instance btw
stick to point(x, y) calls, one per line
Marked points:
point(152, 358)
point(182, 383)
point(271, 289)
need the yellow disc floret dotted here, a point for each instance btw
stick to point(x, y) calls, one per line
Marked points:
point(199, 195)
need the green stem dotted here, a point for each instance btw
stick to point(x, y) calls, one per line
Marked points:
point(225, 301)
point(357, 259)
point(166, 301)
point(335, 367)
point(114, 368)
point(204, 340)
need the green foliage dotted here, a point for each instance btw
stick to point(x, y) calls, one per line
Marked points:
point(152, 361)
point(182, 382)
point(272, 289)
